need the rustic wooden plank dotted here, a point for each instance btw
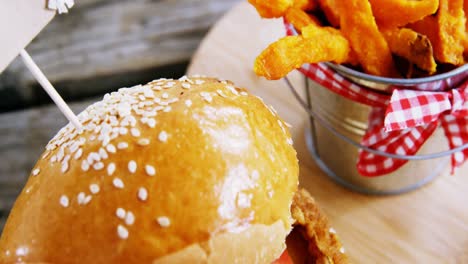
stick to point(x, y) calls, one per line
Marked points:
point(105, 38)
point(24, 135)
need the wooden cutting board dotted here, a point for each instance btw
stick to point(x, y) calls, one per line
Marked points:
point(429, 225)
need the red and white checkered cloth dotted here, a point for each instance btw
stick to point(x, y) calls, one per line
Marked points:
point(401, 123)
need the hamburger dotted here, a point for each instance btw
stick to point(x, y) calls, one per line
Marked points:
point(194, 170)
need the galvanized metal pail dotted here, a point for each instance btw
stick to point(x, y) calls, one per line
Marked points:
point(337, 126)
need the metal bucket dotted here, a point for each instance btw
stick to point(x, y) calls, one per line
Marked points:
point(337, 126)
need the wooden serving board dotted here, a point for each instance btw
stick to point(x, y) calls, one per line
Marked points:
point(429, 225)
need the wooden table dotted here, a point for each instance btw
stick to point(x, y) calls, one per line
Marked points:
point(429, 225)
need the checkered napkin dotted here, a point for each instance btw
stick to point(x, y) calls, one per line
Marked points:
point(401, 123)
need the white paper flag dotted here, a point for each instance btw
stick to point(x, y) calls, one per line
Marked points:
point(20, 22)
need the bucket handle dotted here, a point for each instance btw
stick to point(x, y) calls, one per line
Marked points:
point(329, 127)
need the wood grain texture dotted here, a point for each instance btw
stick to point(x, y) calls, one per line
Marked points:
point(101, 38)
point(24, 136)
point(429, 225)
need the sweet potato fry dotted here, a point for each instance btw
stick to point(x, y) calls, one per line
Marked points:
point(359, 27)
point(465, 8)
point(413, 46)
point(307, 5)
point(397, 13)
point(331, 11)
point(317, 44)
point(446, 31)
point(299, 18)
point(271, 8)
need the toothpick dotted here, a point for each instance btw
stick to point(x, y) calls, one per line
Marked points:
point(45, 83)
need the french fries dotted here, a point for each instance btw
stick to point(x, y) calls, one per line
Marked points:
point(398, 13)
point(446, 31)
point(278, 8)
point(299, 18)
point(414, 47)
point(367, 34)
point(331, 12)
point(306, 5)
point(271, 8)
point(465, 8)
point(360, 28)
point(316, 44)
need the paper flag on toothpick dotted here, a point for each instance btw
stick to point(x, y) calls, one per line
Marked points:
point(20, 22)
point(61, 5)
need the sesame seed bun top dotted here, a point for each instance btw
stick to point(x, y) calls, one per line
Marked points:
point(156, 170)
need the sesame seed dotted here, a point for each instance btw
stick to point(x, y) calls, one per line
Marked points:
point(93, 156)
point(186, 85)
point(162, 136)
point(110, 169)
point(78, 153)
point(150, 170)
point(163, 221)
point(332, 230)
point(290, 141)
point(167, 109)
point(120, 213)
point(151, 122)
point(87, 199)
point(103, 153)
point(84, 165)
point(221, 93)
point(143, 142)
point(199, 82)
point(142, 194)
point(188, 103)
point(94, 188)
point(74, 147)
point(123, 131)
point(98, 166)
point(135, 132)
point(118, 183)
point(244, 93)
point(342, 250)
point(122, 145)
point(22, 252)
point(132, 166)
point(122, 232)
point(165, 95)
point(129, 218)
point(64, 167)
point(169, 84)
point(232, 89)
point(206, 96)
point(36, 172)
point(81, 197)
point(111, 148)
point(64, 201)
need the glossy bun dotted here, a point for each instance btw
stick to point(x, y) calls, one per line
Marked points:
point(175, 169)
